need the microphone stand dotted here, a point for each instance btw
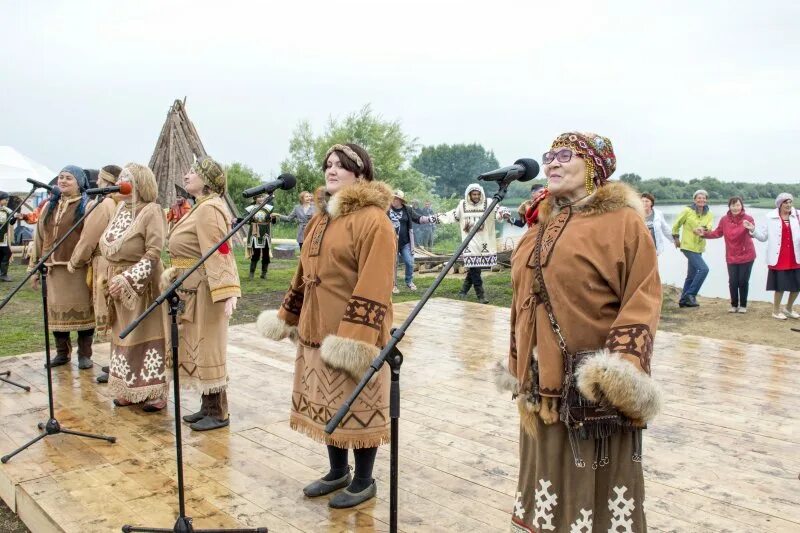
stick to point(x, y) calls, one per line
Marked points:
point(392, 356)
point(51, 427)
point(184, 523)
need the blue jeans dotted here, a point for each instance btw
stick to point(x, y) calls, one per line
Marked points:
point(696, 275)
point(407, 258)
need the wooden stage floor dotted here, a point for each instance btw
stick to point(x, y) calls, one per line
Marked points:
point(723, 456)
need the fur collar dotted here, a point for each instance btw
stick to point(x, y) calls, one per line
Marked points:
point(612, 197)
point(359, 195)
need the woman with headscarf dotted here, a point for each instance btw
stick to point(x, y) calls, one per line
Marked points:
point(691, 218)
point(739, 251)
point(584, 310)
point(782, 235)
point(301, 214)
point(132, 244)
point(208, 296)
point(87, 251)
point(339, 311)
point(69, 300)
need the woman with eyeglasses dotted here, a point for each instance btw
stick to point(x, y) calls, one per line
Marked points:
point(585, 306)
point(692, 245)
point(782, 235)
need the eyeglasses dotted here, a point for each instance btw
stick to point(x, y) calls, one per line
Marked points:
point(563, 156)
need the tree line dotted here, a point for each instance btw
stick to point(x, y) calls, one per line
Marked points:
point(442, 172)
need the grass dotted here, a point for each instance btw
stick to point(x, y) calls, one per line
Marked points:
point(21, 321)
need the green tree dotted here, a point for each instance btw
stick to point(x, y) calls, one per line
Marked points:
point(240, 177)
point(634, 180)
point(454, 166)
point(389, 148)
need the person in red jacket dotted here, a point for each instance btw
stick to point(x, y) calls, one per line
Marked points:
point(739, 251)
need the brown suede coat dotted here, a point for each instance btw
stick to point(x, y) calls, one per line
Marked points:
point(601, 272)
point(343, 283)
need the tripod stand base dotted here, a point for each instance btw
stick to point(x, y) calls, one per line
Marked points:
point(184, 525)
point(52, 427)
point(5, 379)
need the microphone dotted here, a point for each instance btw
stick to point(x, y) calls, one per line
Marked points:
point(284, 181)
point(522, 170)
point(123, 188)
point(40, 185)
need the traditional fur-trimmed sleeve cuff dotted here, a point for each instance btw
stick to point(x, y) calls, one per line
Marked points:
point(271, 326)
point(348, 355)
point(607, 376)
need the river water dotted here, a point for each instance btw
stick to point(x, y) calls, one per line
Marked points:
point(672, 263)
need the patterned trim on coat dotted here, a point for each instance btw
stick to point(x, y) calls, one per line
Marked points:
point(316, 238)
point(552, 232)
point(634, 339)
point(293, 301)
point(365, 312)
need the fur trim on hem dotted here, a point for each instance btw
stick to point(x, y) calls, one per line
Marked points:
point(503, 379)
point(359, 195)
point(606, 376)
point(271, 326)
point(120, 389)
point(348, 355)
point(527, 415)
point(319, 435)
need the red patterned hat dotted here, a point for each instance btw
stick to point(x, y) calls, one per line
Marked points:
point(596, 149)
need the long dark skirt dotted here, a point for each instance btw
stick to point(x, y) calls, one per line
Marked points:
point(783, 280)
point(555, 495)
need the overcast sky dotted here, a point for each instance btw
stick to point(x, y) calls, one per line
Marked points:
point(683, 89)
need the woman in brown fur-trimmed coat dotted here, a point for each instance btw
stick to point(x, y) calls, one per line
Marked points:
point(339, 310)
point(603, 290)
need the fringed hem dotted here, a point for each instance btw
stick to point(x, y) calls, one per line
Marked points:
point(120, 390)
point(194, 384)
point(67, 328)
point(317, 434)
point(129, 297)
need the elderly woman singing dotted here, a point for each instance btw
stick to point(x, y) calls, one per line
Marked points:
point(586, 301)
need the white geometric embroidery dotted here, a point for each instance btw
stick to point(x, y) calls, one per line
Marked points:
point(519, 511)
point(118, 226)
point(121, 368)
point(138, 274)
point(621, 508)
point(584, 521)
point(544, 503)
point(151, 368)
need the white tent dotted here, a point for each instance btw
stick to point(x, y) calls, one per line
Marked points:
point(15, 168)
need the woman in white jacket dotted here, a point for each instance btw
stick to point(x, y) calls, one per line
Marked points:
point(654, 219)
point(782, 234)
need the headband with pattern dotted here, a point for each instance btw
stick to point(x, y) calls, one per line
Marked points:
point(349, 152)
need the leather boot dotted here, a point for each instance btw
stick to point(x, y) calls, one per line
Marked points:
point(253, 265)
point(199, 415)
point(63, 351)
point(264, 273)
point(85, 351)
point(216, 414)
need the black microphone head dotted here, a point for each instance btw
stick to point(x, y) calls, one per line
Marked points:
point(289, 181)
point(531, 169)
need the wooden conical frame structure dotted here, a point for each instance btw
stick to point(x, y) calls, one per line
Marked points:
point(176, 149)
